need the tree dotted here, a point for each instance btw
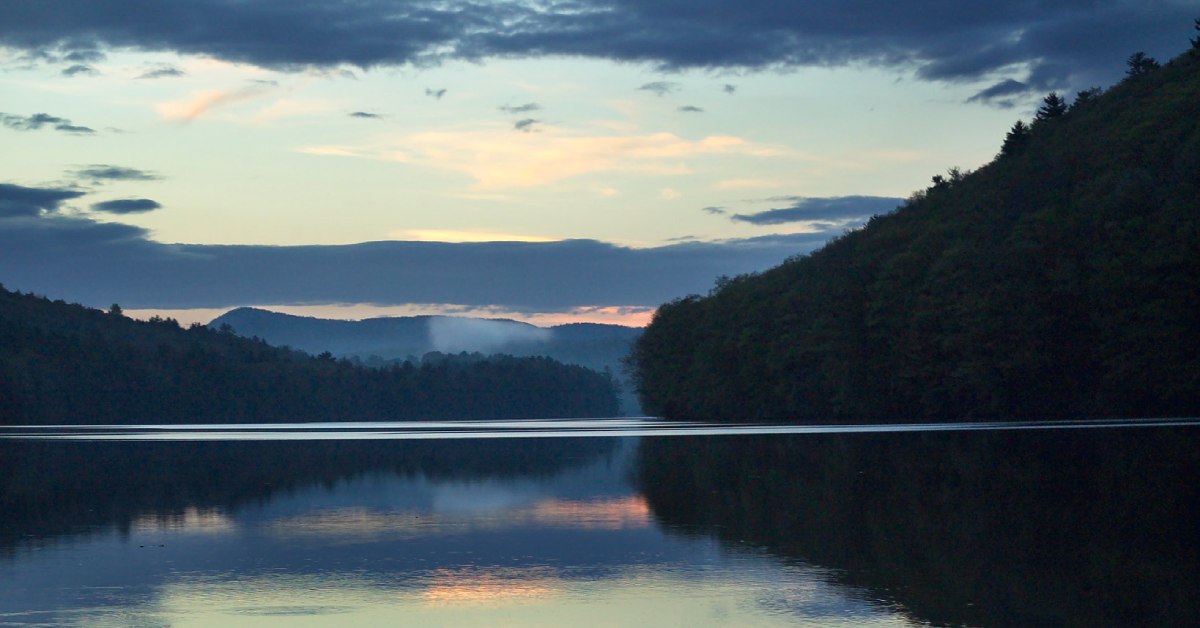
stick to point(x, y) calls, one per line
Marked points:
point(1053, 106)
point(1140, 64)
point(1086, 98)
point(1196, 39)
point(116, 310)
point(1016, 139)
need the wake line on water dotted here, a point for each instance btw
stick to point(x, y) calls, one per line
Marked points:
point(540, 428)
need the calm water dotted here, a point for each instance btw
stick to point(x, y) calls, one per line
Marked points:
point(606, 522)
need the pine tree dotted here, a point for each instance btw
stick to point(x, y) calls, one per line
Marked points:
point(1016, 138)
point(1140, 64)
point(1053, 106)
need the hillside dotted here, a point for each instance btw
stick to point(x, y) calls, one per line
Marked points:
point(67, 364)
point(376, 341)
point(1060, 280)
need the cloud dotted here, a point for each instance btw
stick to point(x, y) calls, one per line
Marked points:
point(202, 102)
point(108, 172)
point(1051, 43)
point(729, 88)
point(436, 93)
point(739, 184)
point(690, 109)
point(824, 210)
point(126, 206)
point(660, 88)
point(1004, 92)
point(525, 125)
point(17, 200)
point(528, 107)
point(366, 115)
point(162, 72)
point(39, 120)
point(98, 263)
point(716, 211)
point(79, 68)
point(84, 56)
point(499, 161)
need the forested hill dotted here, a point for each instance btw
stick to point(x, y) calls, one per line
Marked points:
point(1060, 280)
point(67, 364)
point(378, 341)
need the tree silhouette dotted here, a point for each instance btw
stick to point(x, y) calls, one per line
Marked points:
point(1016, 139)
point(1140, 64)
point(1053, 106)
point(1086, 97)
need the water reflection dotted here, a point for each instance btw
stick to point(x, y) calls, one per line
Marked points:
point(1088, 528)
point(519, 532)
point(1085, 527)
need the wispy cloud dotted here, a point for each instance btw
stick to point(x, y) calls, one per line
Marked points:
point(162, 72)
point(660, 88)
point(80, 69)
point(742, 184)
point(528, 107)
point(39, 120)
point(435, 93)
point(525, 125)
point(202, 102)
point(288, 107)
point(108, 172)
point(690, 109)
point(496, 161)
point(366, 115)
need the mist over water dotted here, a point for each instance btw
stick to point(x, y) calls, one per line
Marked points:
point(449, 334)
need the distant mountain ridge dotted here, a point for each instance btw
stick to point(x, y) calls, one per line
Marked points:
point(592, 345)
point(68, 364)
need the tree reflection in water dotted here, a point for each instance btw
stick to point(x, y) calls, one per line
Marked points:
point(1089, 527)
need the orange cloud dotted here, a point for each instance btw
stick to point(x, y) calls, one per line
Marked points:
point(498, 158)
point(204, 101)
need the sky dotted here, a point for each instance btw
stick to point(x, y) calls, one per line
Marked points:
point(550, 161)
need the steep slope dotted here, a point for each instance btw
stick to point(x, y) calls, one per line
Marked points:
point(1060, 280)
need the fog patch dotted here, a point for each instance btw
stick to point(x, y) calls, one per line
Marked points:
point(450, 334)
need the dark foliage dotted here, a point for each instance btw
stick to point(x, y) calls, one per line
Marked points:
point(1140, 64)
point(69, 364)
point(1053, 106)
point(1060, 280)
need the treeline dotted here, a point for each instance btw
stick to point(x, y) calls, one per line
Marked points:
point(1060, 280)
point(68, 364)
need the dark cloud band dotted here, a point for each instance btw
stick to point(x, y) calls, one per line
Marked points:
point(127, 206)
point(17, 200)
point(823, 210)
point(98, 263)
point(1049, 42)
